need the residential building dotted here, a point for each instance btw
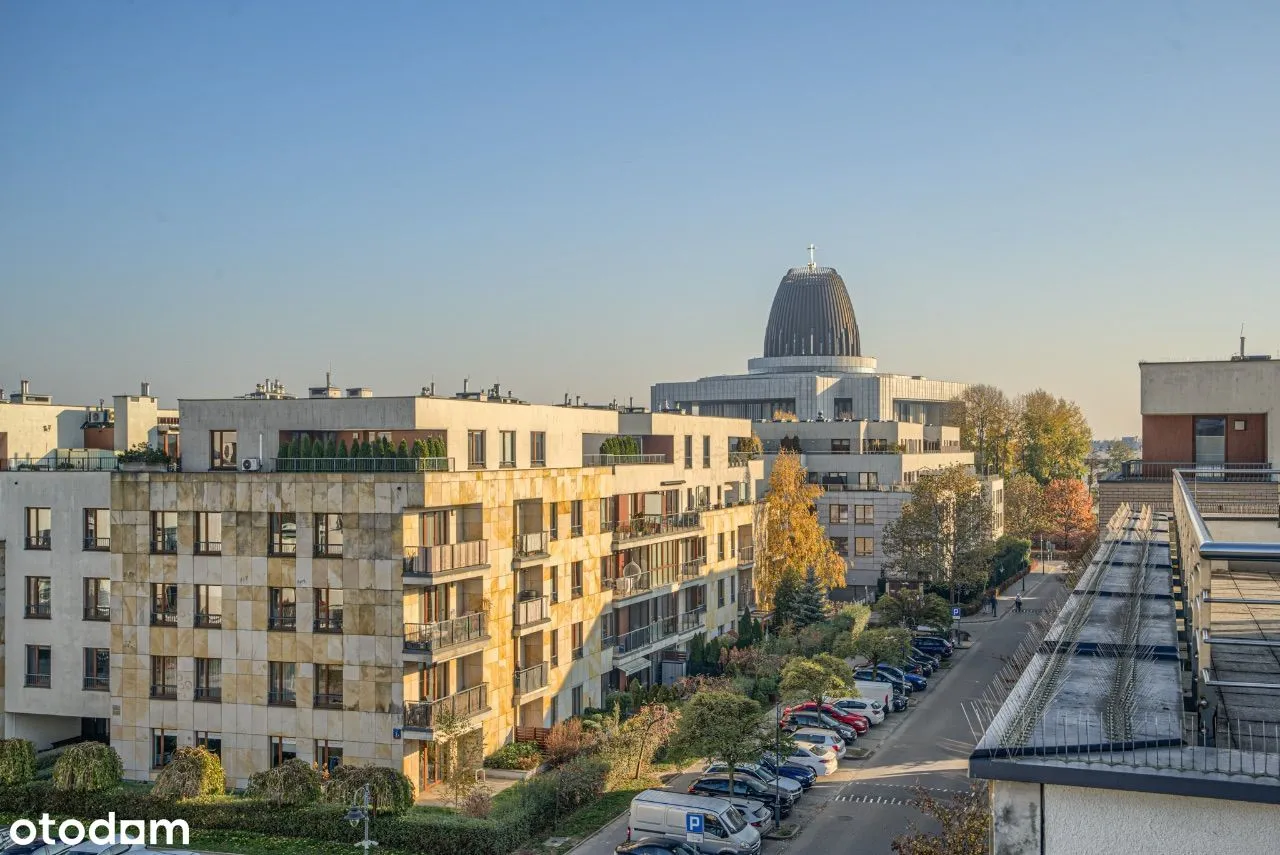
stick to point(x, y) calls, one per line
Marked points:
point(336, 609)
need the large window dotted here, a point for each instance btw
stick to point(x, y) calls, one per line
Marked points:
point(720, 593)
point(706, 452)
point(163, 744)
point(1211, 440)
point(575, 518)
point(282, 605)
point(208, 680)
point(328, 535)
point(164, 677)
point(164, 532)
point(282, 748)
point(208, 533)
point(39, 593)
point(841, 546)
point(864, 514)
point(328, 686)
point(863, 546)
point(868, 480)
point(97, 529)
point(838, 514)
point(210, 741)
point(39, 666)
point(688, 452)
point(576, 701)
point(840, 446)
point(97, 669)
point(475, 449)
point(328, 755)
point(328, 610)
point(39, 528)
point(284, 534)
point(164, 604)
point(576, 640)
point(575, 580)
point(280, 684)
point(97, 598)
point(507, 445)
point(222, 452)
point(538, 448)
point(208, 605)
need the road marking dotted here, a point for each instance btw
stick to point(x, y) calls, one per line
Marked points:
point(872, 800)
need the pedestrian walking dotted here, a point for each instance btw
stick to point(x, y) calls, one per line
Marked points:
point(993, 605)
point(1017, 603)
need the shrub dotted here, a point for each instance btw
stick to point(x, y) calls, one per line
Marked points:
point(567, 740)
point(87, 767)
point(293, 782)
point(17, 761)
point(194, 771)
point(620, 445)
point(515, 755)
point(391, 790)
point(478, 804)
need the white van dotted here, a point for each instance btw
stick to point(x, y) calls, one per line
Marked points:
point(882, 692)
point(725, 830)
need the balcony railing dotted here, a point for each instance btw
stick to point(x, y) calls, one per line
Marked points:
point(97, 544)
point(623, 459)
point(208, 547)
point(327, 700)
point(328, 550)
point(208, 620)
point(640, 638)
point(39, 541)
point(61, 463)
point(746, 555)
point(425, 560)
point(38, 610)
point(531, 543)
point(742, 458)
point(38, 681)
point(747, 597)
point(97, 684)
point(531, 679)
point(1150, 470)
point(693, 620)
point(332, 624)
point(208, 693)
point(428, 637)
point(693, 568)
point(164, 618)
point(97, 612)
point(646, 525)
point(363, 464)
point(282, 698)
point(464, 704)
point(532, 611)
point(164, 692)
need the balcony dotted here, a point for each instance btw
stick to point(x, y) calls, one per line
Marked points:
point(39, 541)
point(327, 700)
point(531, 545)
point(38, 681)
point(37, 610)
point(693, 568)
point(208, 621)
point(637, 640)
point(60, 463)
point(97, 544)
point(746, 556)
point(331, 625)
point(694, 621)
point(97, 684)
point(624, 459)
point(208, 547)
point(426, 562)
point(657, 525)
point(531, 679)
point(465, 704)
point(532, 611)
point(327, 550)
point(97, 612)
point(282, 623)
point(164, 692)
point(362, 464)
point(432, 638)
point(165, 618)
point(1151, 470)
point(742, 458)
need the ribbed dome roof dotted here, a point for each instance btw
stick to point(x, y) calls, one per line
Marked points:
point(812, 316)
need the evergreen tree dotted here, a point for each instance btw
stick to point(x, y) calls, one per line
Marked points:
point(746, 631)
point(330, 448)
point(366, 450)
point(402, 451)
point(419, 449)
point(303, 453)
point(784, 599)
point(809, 606)
point(283, 456)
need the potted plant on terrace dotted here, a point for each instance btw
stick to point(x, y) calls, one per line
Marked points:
point(143, 458)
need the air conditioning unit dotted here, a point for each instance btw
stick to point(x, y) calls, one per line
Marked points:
point(250, 464)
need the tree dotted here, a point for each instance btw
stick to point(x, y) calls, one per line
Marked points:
point(1055, 438)
point(909, 608)
point(459, 755)
point(87, 767)
point(989, 428)
point(890, 646)
point(793, 540)
point(1024, 511)
point(809, 606)
point(965, 822)
point(943, 534)
point(807, 680)
point(620, 445)
point(1068, 510)
point(785, 600)
point(1119, 453)
point(721, 726)
point(641, 736)
point(194, 771)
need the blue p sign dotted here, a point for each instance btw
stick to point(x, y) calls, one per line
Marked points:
point(693, 827)
point(955, 611)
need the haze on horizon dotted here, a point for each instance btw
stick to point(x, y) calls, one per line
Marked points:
point(590, 198)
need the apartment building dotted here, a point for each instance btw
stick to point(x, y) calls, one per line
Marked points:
point(340, 609)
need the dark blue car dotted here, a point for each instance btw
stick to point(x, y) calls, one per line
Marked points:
point(933, 645)
point(915, 680)
point(802, 776)
point(899, 685)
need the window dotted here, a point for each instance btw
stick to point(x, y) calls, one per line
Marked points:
point(733, 544)
point(555, 584)
point(841, 546)
point(688, 452)
point(575, 580)
point(282, 606)
point(208, 680)
point(864, 514)
point(868, 480)
point(863, 546)
point(164, 532)
point(284, 534)
point(733, 589)
point(844, 408)
point(39, 591)
point(280, 684)
point(554, 527)
point(328, 755)
point(838, 514)
point(475, 449)
point(1210, 440)
point(576, 705)
point(164, 677)
point(39, 666)
point(163, 744)
point(706, 452)
point(720, 593)
point(97, 529)
point(164, 604)
point(576, 640)
point(97, 599)
point(328, 686)
point(555, 710)
point(507, 448)
point(222, 452)
point(555, 648)
point(328, 610)
point(840, 446)
point(537, 448)
point(575, 518)
point(328, 535)
point(720, 546)
point(282, 748)
point(210, 741)
point(39, 528)
point(208, 533)
point(97, 669)
point(608, 513)
point(208, 605)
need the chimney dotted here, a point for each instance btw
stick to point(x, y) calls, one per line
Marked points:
point(26, 388)
point(464, 385)
point(146, 389)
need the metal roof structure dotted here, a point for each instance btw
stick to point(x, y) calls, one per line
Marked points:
point(812, 316)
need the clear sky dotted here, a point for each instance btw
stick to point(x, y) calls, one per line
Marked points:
point(595, 196)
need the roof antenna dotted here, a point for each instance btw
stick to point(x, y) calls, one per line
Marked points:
point(812, 265)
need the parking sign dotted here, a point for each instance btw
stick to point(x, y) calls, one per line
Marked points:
point(693, 827)
point(955, 611)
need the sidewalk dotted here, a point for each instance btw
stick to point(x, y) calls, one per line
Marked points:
point(1005, 601)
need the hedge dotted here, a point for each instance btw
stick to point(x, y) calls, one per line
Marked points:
point(17, 761)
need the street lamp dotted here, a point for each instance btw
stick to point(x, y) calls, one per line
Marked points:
point(361, 812)
point(777, 757)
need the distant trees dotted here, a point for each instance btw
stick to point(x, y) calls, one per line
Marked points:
point(910, 608)
point(1024, 507)
point(1068, 510)
point(989, 426)
point(1055, 438)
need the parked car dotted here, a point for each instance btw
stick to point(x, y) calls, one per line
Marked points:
point(804, 718)
point(900, 686)
point(900, 701)
point(917, 682)
point(744, 786)
point(872, 711)
point(860, 723)
point(761, 774)
point(657, 846)
point(802, 775)
point(934, 644)
point(926, 666)
point(820, 736)
point(924, 654)
point(815, 757)
point(662, 813)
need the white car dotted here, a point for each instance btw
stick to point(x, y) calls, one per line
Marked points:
point(820, 760)
point(821, 737)
point(873, 711)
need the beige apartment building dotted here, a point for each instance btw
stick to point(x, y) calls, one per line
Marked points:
point(334, 609)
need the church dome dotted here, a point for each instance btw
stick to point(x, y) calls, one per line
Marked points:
point(812, 316)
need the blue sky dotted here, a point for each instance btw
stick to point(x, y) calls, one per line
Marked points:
point(592, 197)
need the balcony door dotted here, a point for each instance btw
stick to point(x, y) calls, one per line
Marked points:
point(1211, 441)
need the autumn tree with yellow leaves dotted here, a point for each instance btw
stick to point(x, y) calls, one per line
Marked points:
point(789, 539)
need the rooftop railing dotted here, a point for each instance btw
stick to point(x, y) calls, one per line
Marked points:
point(742, 458)
point(362, 464)
point(1158, 470)
point(61, 463)
point(623, 459)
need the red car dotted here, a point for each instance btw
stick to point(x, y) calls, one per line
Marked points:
point(860, 723)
